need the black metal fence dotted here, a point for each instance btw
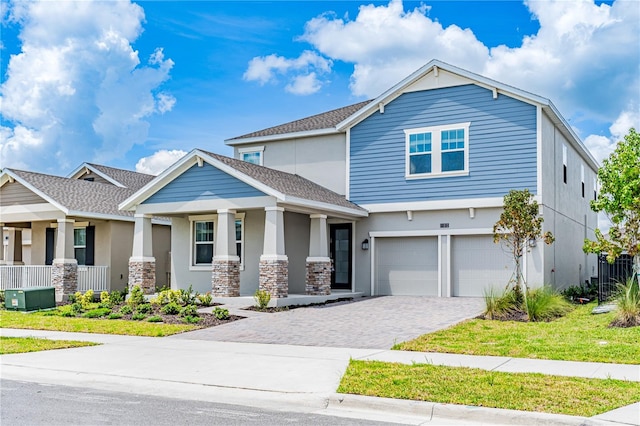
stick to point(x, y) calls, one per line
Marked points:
point(612, 274)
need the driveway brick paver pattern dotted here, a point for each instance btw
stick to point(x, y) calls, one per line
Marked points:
point(370, 322)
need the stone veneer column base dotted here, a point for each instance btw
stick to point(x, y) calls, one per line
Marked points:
point(225, 278)
point(318, 278)
point(274, 277)
point(64, 277)
point(143, 274)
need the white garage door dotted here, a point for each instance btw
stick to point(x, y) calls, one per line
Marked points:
point(478, 263)
point(407, 266)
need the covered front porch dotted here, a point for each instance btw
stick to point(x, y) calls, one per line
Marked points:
point(237, 227)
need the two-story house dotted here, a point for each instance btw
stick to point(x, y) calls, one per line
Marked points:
point(393, 196)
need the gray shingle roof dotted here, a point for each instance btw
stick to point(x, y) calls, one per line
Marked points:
point(286, 183)
point(128, 178)
point(325, 120)
point(79, 195)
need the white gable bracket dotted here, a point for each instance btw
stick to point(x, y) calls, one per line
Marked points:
point(381, 107)
point(200, 161)
point(435, 70)
point(495, 93)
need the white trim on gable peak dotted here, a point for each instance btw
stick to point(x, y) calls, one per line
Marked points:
point(9, 176)
point(85, 168)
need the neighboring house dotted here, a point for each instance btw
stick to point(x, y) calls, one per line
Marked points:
point(68, 230)
point(394, 196)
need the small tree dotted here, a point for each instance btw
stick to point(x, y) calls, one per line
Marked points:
point(619, 198)
point(518, 225)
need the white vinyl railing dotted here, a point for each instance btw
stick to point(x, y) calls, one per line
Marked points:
point(94, 278)
point(24, 276)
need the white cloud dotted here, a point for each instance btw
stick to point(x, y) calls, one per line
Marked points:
point(77, 85)
point(584, 56)
point(303, 71)
point(159, 161)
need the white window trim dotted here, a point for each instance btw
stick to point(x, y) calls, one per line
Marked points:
point(251, 150)
point(212, 218)
point(436, 152)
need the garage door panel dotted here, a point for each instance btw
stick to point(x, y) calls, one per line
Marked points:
point(477, 264)
point(407, 266)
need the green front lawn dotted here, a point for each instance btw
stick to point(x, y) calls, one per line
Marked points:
point(16, 345)
point(470, 386)
point(42, 321)
point(579, 336)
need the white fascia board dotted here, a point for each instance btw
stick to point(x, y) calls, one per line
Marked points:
point(36, 191)
point(101, 216)
point(282, 136)
point(160, 181)
point(567, 130)
point(399, 88)
point(431, 232)
point(205, 206)
point(463, 203)
point(104, 176)
point(30, 213)
point(325, 207)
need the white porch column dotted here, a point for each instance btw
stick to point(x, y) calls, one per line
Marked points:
point(225, 278)
point(64, 272)
point(318, 263)
point(274, 263)
point(142, 264)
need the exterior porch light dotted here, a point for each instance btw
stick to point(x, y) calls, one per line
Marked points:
point(365, 244)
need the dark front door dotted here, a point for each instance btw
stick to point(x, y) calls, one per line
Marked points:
point(340, 252)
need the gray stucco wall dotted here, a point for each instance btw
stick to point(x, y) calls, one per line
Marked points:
point(120, 244)
point(161, 236)
point(567, 214)
point(310, 158)
point(253, 242)
point(296, 243)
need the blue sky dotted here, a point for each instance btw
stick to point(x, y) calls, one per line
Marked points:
point(137, 84)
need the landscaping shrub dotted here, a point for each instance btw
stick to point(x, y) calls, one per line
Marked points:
point(189, 311)
point(97, 313)
point(76, 308)
point(138, 316)
point(137, 297)
point(540, 304)
point(105, 299)
point(543, 304)
point(262, 299)
point(171, 308)
point(2, 298)
point(221, 313)
point(581, 293)
point(191, 320)
point(628, 302)
point(115, 315)
point(144, 308)
point(187, 297)
point(154, 318)
point(205, 299)
point(65, 311)
point(126, 310)
point(116, 297)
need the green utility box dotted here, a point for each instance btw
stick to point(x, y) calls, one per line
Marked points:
point(30, 299)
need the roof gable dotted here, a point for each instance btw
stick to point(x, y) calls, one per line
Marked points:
point(118, 177)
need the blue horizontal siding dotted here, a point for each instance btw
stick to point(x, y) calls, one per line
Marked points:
point(203, 183)
point(502, 147)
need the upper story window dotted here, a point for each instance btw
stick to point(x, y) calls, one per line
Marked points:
point(253, 154)
point(595, 188)
point(437, 151)
point(564, 163)
point(582, 178)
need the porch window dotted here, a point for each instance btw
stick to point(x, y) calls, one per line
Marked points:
point(203, 242)
point(80, 245)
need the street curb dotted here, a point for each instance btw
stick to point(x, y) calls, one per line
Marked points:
point(432, 412)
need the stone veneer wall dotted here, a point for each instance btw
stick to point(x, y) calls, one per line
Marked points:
point(274, 277)
point(225, 278)
point(64, 277)
point(143, 274)
point(318, 278)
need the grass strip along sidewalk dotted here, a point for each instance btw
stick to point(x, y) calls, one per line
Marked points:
point(470, 386)
point(579, 336)
point(40, 321)
point(16, 345)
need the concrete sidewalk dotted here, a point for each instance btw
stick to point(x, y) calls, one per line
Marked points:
point(284, 377)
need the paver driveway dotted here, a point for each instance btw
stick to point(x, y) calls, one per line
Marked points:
point(372, 322)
